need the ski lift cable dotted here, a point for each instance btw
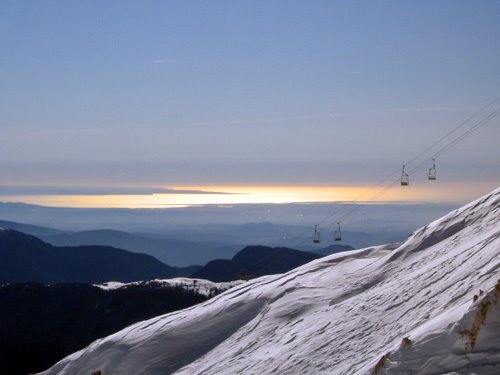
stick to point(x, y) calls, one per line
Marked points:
point(469, 132)
point(377, 195)
point(438, 153)
point(397, 171)
point(462, 124)
point(455, 141)
point(358, 198)
point(345, 207)
point(352, 210)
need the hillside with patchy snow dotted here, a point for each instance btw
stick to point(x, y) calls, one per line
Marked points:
point(205, 287)
point(427, 306)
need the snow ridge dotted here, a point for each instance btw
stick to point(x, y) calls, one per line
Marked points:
point(407, 308)
point(201, 286)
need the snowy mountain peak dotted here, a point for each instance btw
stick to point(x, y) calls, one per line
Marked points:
point(426, 306)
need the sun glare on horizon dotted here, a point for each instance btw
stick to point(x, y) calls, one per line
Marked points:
point(183, 196)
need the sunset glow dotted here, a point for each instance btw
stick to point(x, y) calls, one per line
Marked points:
point(228, 195)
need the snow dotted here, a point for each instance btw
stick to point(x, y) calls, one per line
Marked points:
point(347, 313)
point(201, 286)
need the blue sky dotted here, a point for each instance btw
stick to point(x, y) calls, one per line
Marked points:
point(173, 93)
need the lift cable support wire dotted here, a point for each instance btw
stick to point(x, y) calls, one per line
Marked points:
point(388, 180)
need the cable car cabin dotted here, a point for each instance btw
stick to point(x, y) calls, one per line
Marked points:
point(432, 174)
point(337, 235)
point(316, 236)
point(405, 179)
point(432, 171)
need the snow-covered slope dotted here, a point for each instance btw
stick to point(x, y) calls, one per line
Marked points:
point(201, 286)
point(427, 306)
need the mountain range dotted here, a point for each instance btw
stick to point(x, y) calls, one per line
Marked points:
point(27, 258)
point(196, 235)
point(170, 250)
point(254, 261)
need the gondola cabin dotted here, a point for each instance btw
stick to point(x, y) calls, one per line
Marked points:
point(316, 235)
point(337, 235)
point(432, 171)
point(405, 179)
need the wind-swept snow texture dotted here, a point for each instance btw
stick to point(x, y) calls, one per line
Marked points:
point(201, 286)
point(427, 306)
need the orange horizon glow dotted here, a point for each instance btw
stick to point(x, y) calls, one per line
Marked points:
point(248, 194)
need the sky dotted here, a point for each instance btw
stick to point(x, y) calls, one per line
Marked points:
point(289, 96)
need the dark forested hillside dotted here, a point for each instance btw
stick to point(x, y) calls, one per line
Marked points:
point(254, 261)
point(40, 324)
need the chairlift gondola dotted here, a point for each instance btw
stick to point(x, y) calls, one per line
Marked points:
point(338, 235)
point(405, 179)
point(432, 171)
point(316, 236)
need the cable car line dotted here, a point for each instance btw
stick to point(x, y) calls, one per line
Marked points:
point(405, 176)
point(358, 198)
point(404, 181)
point(455, 141)
point(462, 124)
point(395, 172)
point(440, 152)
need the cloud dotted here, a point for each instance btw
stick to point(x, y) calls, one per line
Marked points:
point(163, 61)
point(64, 190)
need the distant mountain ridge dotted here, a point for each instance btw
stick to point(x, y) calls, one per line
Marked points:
point(27, 258)
point(169, 250)
point(254, 261)
point(194, 245)
point(34, 230)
